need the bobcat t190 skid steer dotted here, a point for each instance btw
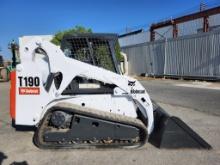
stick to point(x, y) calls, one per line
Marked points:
point(77, 98)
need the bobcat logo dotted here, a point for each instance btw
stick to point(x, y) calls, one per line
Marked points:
point(131, 83)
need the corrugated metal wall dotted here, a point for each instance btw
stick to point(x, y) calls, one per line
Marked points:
point(135, 39)
point(194, 55)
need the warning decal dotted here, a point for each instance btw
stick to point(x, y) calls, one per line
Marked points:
point(29, 91)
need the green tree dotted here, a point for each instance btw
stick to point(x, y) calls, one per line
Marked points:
point(77, 29)
point(103, 58)
point(118, 55)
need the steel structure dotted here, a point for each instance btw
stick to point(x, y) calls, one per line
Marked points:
point(174, 22)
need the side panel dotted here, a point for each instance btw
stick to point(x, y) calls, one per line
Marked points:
point(31, 96)
point(13, 95)
point(108, 103)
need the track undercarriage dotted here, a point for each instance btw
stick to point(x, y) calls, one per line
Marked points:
point(88, 128)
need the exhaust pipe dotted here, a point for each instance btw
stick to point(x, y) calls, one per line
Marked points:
point(171, 132)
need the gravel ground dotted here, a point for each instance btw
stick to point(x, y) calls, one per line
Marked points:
point(18, 147)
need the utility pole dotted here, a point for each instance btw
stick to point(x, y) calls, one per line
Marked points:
point(205, 18)
point(14, 48)
point(202, 6)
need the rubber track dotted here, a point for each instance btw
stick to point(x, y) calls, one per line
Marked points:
point(38, 137)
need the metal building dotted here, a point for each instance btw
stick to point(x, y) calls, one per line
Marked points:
point(196, 55)
point(190, 48)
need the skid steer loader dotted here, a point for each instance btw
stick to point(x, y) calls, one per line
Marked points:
point(77, 98)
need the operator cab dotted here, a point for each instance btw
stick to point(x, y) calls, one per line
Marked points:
point(94, 48)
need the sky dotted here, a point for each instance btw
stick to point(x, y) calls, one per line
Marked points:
point(42, 17)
